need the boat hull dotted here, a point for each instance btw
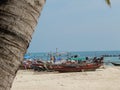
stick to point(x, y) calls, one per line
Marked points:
point(115, 64)
point(75, 68)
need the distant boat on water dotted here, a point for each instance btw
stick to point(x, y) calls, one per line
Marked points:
point(115, 64)
point(111, 55)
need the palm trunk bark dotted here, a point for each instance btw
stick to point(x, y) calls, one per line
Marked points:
point(18, 19)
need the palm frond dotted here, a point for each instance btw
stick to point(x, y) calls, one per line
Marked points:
point(108, 2)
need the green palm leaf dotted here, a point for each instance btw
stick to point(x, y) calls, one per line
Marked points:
point(108, 2)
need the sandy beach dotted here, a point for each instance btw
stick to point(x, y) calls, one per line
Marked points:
point(107, 78)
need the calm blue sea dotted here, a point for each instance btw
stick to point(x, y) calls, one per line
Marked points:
point(112, 56)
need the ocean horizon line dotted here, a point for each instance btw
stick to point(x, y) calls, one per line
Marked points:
point(75, 51)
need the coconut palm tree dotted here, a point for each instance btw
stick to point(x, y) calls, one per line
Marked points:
point(18, 19)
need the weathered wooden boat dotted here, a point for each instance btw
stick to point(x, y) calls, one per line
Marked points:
point(75, 67)
point(26, 64)
point(115, 64)
point(39, 66)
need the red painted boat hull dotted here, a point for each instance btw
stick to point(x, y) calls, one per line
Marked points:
point(75, 67)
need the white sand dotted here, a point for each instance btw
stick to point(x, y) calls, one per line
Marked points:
point(101, 79)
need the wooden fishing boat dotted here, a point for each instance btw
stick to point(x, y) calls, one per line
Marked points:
point(115, 64)
point(75, 67)
point(26, 64)
point(38, 66)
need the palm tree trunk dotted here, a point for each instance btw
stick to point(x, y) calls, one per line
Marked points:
point(18, 19)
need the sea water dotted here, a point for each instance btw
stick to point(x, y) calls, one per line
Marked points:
point(111, 56)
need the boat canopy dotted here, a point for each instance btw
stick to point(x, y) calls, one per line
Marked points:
point(78, 59)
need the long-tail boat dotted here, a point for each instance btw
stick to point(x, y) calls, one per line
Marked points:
point(115, 64)
point(77, 67)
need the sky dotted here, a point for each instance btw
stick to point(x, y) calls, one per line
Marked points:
point(77, 25)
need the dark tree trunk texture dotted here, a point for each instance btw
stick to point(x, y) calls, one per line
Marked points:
point(18, 19)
